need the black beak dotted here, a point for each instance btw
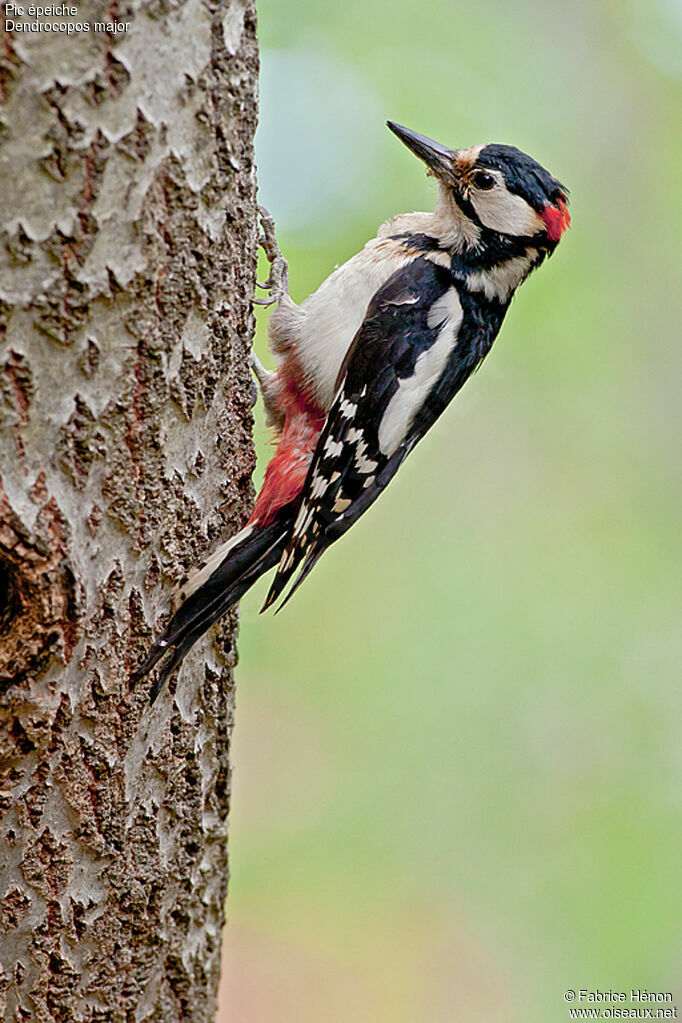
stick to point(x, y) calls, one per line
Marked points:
point(435, 156)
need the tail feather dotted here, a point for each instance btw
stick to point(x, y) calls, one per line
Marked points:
point(312, 558)
point(251, 553)
point(217, 609)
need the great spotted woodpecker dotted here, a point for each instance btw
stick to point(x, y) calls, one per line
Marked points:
point(368, 362)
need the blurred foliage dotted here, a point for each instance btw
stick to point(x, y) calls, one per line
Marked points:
point(457, 782)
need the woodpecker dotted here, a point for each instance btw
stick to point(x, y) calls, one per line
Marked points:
point(369, 361)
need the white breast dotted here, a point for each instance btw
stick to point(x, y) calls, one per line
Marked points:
point(322, 328)
point(334, 313)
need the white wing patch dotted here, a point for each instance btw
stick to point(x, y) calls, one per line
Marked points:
point(332, 448)
point(319, 486)
point(347, 408)
point(363, 463)
point(445, 313)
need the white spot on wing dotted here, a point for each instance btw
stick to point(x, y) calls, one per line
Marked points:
point(304, 519)
point(319, 486)
point(446, 312)
point(365, 464)
point(362, 462)
point(347, 408)
point(333, 447)
point(287, 561)
point(405, 298)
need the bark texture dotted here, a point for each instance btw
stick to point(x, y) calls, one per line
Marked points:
point(127, 264)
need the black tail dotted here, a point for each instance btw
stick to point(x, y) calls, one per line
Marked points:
point(245, 561)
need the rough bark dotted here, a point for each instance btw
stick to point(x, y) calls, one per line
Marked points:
point(126, 270)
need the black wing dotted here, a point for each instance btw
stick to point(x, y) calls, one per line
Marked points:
point(401, 371)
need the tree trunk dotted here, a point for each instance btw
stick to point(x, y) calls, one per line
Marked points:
point(126, 267)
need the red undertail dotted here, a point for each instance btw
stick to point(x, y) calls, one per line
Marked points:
point(288, 468)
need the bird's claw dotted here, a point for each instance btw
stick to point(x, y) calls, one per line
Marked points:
point(277, 282)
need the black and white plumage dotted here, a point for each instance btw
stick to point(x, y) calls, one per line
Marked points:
point(425, 332)
point(408, 349)
point(369, 362)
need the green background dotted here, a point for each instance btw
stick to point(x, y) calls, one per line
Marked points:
point(457, 751)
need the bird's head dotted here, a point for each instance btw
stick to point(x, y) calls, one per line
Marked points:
point(497, 189)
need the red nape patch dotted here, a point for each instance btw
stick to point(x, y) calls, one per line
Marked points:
point(557, 219)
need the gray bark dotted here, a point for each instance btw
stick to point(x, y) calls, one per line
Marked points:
point(127, 264)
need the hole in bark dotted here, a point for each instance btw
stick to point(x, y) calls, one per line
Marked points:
point(22, 742)
point(9, 603)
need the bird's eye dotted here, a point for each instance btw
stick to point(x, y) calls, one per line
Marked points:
point(484, 181)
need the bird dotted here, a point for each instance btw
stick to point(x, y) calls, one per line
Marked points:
point(368, 362)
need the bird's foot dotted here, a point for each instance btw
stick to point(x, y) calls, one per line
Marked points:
point(269, 392)
point(278, 279)
point(262, 375)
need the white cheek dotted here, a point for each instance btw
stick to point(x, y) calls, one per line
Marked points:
point(505, 212)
